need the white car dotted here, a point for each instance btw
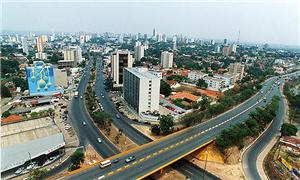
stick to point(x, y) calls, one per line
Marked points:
point(99, 140)
point(84, 123)
point(81, 97)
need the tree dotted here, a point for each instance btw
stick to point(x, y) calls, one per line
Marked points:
point(166, 123)
point(102, 118)
point(5, 114)
point(201, 83)
point(37, 174)
point(20, 82)
point(165, 88)
point(5, 91)
point(155, 129)
point(77, 158)
point(288, 129)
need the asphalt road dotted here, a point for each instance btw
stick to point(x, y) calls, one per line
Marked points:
point(250, 156)
point(88, 134)
point(188, 169)
point(155, 155)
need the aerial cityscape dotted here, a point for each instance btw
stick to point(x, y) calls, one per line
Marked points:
point(177, 90)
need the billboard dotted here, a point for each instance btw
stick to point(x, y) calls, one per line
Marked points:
point(40, 79)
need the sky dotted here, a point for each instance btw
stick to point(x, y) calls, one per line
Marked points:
point(261, 21)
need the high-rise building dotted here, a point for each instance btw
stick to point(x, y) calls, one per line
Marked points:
point(81, 39)
point(121, 39)
point(141, 89)
point(159, 37)
point(40, 44)
point(174, 46)
point(73, 53)
point(119, 61)
point(217, 49)
point(154, 33)
point(226, 51)
point(166, 59)
point(225, 42)
point(25, 45)
point(164, 38)
point(233, 48)
point(212, 42)
point(138, 51)
point(237, 69)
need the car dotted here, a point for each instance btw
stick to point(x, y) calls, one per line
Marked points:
point(99, 140)
point(84, 123)
point(102, 96)
point(20, 170)
point(81, 97)
point(118, 116)
point(130, 159)
point(115, 160)
point(261, 91)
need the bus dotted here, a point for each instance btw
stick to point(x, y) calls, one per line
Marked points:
point(76, 94)
point(105, 163)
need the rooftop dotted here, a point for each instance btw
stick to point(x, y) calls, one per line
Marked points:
point(185, 95)
point(142, 72)
point(37, 137)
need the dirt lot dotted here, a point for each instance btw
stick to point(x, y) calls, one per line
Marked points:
point(216, 162)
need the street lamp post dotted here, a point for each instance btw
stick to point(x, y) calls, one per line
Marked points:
point(206, 153)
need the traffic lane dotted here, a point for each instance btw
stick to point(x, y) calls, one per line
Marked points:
point(192, 171)
point(149, 164)
point(105, 148)
point(120, 123)
point(89, 133)
point(251, 155)
point(153, 148)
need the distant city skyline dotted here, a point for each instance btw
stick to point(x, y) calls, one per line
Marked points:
point(259, 22)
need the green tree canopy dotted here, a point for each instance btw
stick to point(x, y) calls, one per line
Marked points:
point(166, 123)
point(288, 129)
point(165, 88)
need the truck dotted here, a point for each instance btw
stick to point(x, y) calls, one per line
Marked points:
point(76, 94)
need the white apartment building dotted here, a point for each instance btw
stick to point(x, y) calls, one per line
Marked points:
point(25, 45)
point(237, 68)
point(228, 79)
point(41, 55)
point(214, 83)
point(195, 75)
point(141, 89)
point(120, 60)
point(139, 50)
point(73, 53)
point(167, 59)
point(157, 73)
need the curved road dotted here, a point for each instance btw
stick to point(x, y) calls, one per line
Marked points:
point(159, 153)
point(249, 159)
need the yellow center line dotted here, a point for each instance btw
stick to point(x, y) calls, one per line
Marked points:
point(126, 166)
point(166, 148)
point(110, 173)
point(119, 169)
point(141, 159)
point(154, 153)
point(160, 151)
point(149, 156)
point(134, 162)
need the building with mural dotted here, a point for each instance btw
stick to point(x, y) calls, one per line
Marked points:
point(40, 77)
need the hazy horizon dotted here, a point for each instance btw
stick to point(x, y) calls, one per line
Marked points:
point(258, 22)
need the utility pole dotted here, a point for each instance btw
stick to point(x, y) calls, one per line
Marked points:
point(206, 153)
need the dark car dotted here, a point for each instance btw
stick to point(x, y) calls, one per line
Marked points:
point(115, 160)
point(130, 159)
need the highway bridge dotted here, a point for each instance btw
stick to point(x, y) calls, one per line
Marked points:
point(155, 155)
